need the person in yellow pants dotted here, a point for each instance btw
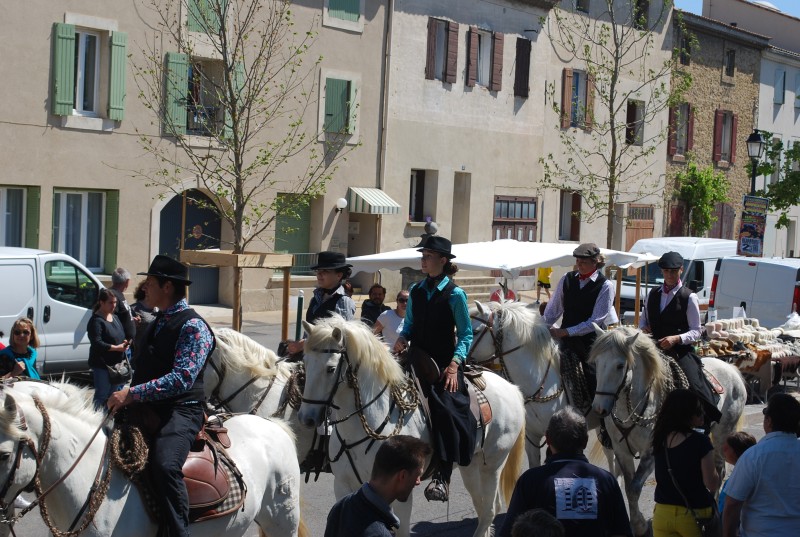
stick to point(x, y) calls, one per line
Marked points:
point(543, 282)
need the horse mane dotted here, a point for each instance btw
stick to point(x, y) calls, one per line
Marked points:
point(242, 353)
point(642, 353)
point(363, 347)
point(527, 324)
point(77, 403)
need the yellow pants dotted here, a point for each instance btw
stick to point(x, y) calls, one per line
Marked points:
point(676, 520)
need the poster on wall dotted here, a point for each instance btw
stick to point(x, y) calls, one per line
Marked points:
point(751, 230)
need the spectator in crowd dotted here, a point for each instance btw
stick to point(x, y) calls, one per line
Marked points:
point(19, 358)
point(374, 306)
point(390, 322)
point(143, 314)
point(735, 444)
point(367, 512)
point(120, 280)
point(543, 282)
point(684, 467)
point(107, 345)
point(586, 499)
point(537, 523)
point(763, 491)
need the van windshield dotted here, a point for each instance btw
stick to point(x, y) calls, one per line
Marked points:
point(652, 274)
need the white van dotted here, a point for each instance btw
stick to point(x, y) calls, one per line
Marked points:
point(58, 293)
point(700, 256)
point(767, 288)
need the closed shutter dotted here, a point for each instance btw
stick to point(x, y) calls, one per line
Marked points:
point(197, 13)
point(177, 88)
point(116, 88)
point(32, 203)
point(337, 93)
point(717, 154)
point(430, 53)
point(590, 89)
point(238, 84)
point(111, 232)
point(780, 86)
point(496, 82)
point(734, 137)
point(349, 10)
point(690, 129)
point(63, 95)
point(522, 74)
point(566, 97)
point(452, 53)
point(672, 136)
point(472, 65)
point(292, 233)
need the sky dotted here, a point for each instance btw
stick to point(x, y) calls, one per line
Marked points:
point(790, 7)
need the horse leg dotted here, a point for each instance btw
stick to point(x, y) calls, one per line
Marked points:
point(479, 480)
point(533, 451)
point(634, 491)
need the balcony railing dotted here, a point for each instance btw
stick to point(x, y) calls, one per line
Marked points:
point(202, 120)
point(302, 263)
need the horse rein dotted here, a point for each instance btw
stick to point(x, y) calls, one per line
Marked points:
point(223, 403)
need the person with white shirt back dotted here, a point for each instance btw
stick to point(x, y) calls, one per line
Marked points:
point(390, 322)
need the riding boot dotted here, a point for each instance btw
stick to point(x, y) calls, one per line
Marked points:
point(438, 490)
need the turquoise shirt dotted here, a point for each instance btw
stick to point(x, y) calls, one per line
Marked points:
point(28, 361)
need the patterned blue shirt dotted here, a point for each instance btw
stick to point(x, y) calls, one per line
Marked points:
point(458, 305)
point(191, 351)
point(344, 305)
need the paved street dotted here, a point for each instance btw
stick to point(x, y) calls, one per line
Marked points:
point(456, 519)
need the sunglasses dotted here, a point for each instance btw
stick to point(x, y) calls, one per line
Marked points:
point(402, 300)
point(22, 332)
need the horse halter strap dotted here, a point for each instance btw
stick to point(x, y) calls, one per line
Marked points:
point(23, 442)
point(342, 358)
point(215, 393)
point(621, 386)
point(497, 340)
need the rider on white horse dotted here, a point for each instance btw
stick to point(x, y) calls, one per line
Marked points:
point(672, 317)
point(169, 381)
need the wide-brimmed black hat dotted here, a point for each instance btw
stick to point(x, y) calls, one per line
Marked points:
point(587, 249)
point(166, 267)
point(331, 261)
point(671, 260)
point(437, 244)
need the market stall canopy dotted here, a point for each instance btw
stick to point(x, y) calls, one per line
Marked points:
point(506, 255)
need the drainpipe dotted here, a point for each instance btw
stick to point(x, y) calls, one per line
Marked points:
point(380, 179)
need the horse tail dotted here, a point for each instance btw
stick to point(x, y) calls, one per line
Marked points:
point(513, 466)
point(302, 529)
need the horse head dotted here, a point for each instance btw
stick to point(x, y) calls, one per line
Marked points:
point(325, 364)
point(612, 359)
point(17, 451)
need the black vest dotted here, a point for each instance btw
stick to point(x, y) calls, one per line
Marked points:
point(434, 324)
point(326, 309)
point(673, 320)
point(579, 303)
point(158, 356)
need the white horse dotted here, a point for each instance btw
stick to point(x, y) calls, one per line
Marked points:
point(633, 380)
point(244, 376)
point(350, 373)
point(41, 441)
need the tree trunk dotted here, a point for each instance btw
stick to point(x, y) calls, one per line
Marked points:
point(237, 299)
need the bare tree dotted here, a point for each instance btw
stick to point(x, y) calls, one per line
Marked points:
point(231, 96)
point(631, 80)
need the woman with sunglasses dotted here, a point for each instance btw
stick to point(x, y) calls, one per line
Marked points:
point(19, 358)
point(684, 467)
point(390, 322)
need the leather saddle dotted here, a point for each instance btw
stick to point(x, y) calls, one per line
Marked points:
point(207, 479)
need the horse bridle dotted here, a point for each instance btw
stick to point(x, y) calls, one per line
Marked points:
point(215, 393)
point(22, 443)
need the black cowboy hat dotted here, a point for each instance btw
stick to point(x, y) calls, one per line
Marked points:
point(671, 260)
point(587, 249)
point(331, 261)
point(166, 267)
point(437, 244)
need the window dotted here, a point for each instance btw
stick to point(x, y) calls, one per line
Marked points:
point(68, 283)
point(514, 218)
point(89, 69)
point(569, 225)
point(12, 205)
point(344, 14)
point(797, 90)
point(686, 50)
point(796, 163)
point(730, 63)
point(416, 198)
point(582, 5)
point(442, 54)
point(523, 68)
point(204, 116)
point(485, 63)
point(338, 106)
point(725, 127)
point(78, 226)
point(775, 176)
point(577, 99)
point(641, 14)
point(634, 123)
point(780, 86)
point(681, 133)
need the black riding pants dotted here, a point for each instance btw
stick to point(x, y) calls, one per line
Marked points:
point(168, 452)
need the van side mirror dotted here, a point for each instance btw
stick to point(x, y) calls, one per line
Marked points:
point(695, 285)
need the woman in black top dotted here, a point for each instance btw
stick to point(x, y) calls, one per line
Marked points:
point(107, 346)
point(686, 457)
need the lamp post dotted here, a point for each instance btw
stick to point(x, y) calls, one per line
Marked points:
point(755, 148)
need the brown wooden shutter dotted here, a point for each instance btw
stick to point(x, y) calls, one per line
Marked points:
point(566, 97)
point(677, 222)
point(575, 218)
point(717, 156)
point(523, 68)
point(472, 65)
point(672, 136)
point(496, 82)
point(430, 58)
point(734, 137)
point(452, 53)
point(589, 120)
point(690, 129)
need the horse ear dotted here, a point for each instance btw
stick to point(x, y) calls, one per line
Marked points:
point(10, 405)
point(307, 327)
point(597, 329)
point(632, 338)
point(480, 308)
point(337, 334)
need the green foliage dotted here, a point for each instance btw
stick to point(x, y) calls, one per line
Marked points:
point(785, 192)
point(701, 189)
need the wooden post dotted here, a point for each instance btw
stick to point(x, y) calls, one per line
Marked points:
point(287, 274)
point(237, 299)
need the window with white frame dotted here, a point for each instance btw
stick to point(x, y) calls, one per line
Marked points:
point(634, 123)
point(12, 226)
point(484, 58)
point(87, 72)
point(78, 226)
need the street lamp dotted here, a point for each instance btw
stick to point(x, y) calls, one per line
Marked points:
point(755, 148)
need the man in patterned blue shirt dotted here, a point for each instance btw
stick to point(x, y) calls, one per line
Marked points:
point(169, 380)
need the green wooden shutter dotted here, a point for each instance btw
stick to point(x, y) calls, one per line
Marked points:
point(238, 84)
point(116, 86)
point(63, 94)
point(111, 232)
point(32, 202)
point(197, 9)
point(177, 87)
point(337, 93)
point(349, 10)
point(292, 233)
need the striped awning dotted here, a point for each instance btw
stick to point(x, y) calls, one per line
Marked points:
point(370, 201)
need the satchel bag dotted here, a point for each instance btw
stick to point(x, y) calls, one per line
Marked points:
point(119, 373)
point(709, 526)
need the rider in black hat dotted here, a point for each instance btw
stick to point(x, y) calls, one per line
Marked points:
point(169, 380)
point(437, 322)
point(672, 316)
